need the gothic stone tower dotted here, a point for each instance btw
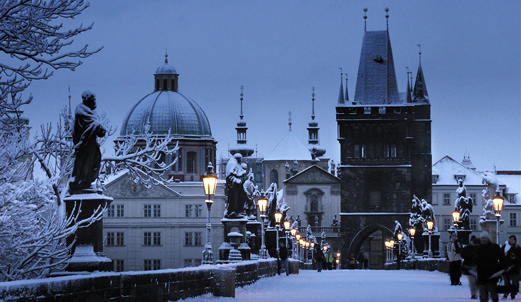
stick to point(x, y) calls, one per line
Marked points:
point(385, 149)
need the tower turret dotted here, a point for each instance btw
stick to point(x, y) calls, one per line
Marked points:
point(313, 141)
point(242, 146)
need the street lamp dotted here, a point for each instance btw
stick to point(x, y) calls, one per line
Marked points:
point(498, 207)
point(399, 236)
point(391, 246)
point(338, 260)
point(430, 226)
point(210, 185)
point(455, 218)
point(263, 203)
point(286, 229)
point(278, 218)
point(387, 248)
point(412, 231)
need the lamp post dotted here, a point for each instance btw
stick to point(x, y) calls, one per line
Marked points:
point(312, 248)
point(399, 236)
point(263, 203)
point(210, 185)
point(278, 217)
point(286, 230)
point(430, 226)
point(387, 245)
point(298, 238)
point(412, 231)
point(498, 207)
point(391, 249)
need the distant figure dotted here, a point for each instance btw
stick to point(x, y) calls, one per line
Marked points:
point(87, 128)
point(512, 265)
point(468, 253)
point(454, 254)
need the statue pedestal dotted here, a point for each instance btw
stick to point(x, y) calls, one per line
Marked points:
point(435, 241)
point(490, 225)
point(463, 236)
point(232, 226)
point(87, 252)
point(255, 240)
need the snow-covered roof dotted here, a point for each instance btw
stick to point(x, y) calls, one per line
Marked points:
point(512, 182)
point(446, 168)
point(289, 148)
point(376, 81)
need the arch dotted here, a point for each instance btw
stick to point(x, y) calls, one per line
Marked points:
point(360, 237)
point(274, 177)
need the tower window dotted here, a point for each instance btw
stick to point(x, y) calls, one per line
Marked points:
point(274, 177)
point(165, 84)
point(191, 162)
point(157, 84)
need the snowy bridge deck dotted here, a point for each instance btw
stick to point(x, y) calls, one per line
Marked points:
point(351, 285)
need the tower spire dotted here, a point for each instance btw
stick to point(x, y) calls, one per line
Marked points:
point(242, 94)
point(289, 120)
point(420, 88)
point(341, 93)
point(420, 53)
point(387, 17)
point(347, 94)
point(313, 103)
point(409, 98)
point(166, 56)
point(365, 18)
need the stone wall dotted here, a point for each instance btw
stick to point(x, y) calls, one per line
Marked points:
point(147, 286)
point(440, 265)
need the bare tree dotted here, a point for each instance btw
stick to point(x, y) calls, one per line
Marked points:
point(36, 44)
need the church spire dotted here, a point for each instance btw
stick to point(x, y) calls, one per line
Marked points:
point(409, 97)
point(420, 88)
point(242, 146)
point(341, 100)
point(365, 18)
point(313, 142)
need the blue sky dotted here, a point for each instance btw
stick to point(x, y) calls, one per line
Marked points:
point(280, 49)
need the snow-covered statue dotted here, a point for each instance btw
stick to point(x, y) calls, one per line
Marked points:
point(282, 206)
point(428, 214)
point(309, 232)
point(252, 192)
point(235, 178)
point(463, 205)
point(415, 216)
point(271, 196)
point(488, 208)
point(288, 172)
point(397, 228)
point(335, 222)
point(294, 169)
point(87, 128)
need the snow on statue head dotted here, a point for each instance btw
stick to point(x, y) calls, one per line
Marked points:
point(89, 99)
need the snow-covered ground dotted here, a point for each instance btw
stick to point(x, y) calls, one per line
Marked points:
point(352, 285)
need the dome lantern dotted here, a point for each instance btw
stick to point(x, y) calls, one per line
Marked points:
point(166, 77)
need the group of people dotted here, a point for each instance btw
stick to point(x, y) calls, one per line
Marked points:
point(484, 263)
point(323, 260)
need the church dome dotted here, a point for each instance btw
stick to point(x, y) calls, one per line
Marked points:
point(167, 110)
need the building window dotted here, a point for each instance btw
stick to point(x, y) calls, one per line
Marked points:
point(367, 110)
point(387, 151)
point(115, 239)
point(513, 219)
point(274, 177)
point(474, 198)
point(357, 151)
point(193, 210)
point(192, 262)
point(157, 210)
point(151, 264)
point(363, 150)
point(157, 84)
point(473, 223)
point(151, 238)
point(147, 209)
point(393, 150)
point(447, 223)
point(119, 265)
point(193, 238)
point(446, 199)
point(116, 210)
point(165, 84)
point(191, 162)
point(381, 110)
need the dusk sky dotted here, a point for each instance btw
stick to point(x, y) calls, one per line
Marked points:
point(279, 50)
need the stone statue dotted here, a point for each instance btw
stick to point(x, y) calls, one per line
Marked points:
point(488, 209)
point(415, 216)
point(308, 231)
point(235, 177)
point(397, 228)
point(335, 222)
point(428, 214)
point(271, 195)
point(316, 220)
point(463, 205)
point(252, 192)
point(288, 173)
point(87, 128)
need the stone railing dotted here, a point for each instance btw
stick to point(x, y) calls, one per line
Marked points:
point(160, 285)
point(432, 264)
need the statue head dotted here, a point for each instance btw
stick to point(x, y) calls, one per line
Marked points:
point(238, 157)
point(89, 99)
point(460, 182)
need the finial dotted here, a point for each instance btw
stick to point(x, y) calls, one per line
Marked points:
point(420, 52)
point(313, 103)
point(347, 94)
point(70, 113)
point(387, 17)
point(166, 56)
point(365, 18)
point(242, 94)
point(289, 120)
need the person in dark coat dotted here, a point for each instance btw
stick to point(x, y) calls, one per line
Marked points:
point(489, 259)
point(512, 264)
point(319, 259)
point(469, 255)
point(283, 253)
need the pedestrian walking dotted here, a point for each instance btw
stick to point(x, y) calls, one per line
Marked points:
point(329, 259)
point(489, 259)
point(360, 259)
point(283, 253)
point(512, 264)
point(319, 259)
point(454, 254)
point(469, 266)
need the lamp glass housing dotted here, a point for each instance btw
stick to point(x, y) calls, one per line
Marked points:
point(430, 224)
point(278, 217)
point(412, 231)
point(312, 245)
point(298, 237)
point(498, 204)
point(286, 225)
point(399, 236)
point(391, 243)
point(263, 203)
point(325, 248)
point(210, 184)
point(456, 216)
point(293, 232)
